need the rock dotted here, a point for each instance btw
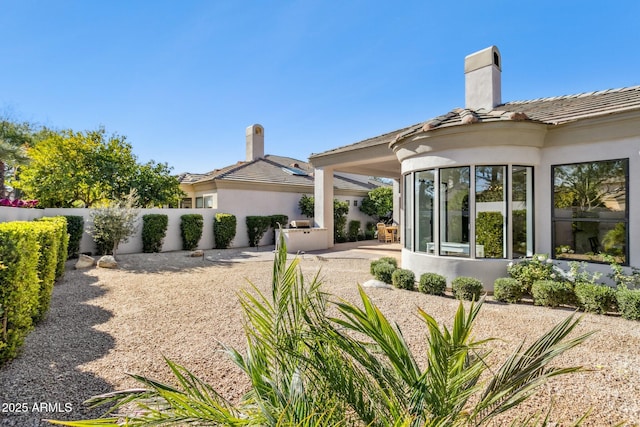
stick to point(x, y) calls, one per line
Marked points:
point(85, 261)
point(197, 254)
point(107, 261)
point(376, 284)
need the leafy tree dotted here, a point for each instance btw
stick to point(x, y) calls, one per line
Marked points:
point(378, 203)
point(115, 223)
point(14, 138)
point(307, 206)
point(79, 169)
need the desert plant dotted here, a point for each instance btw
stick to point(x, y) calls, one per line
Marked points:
point(191, 230)
point(403, 279)
point(307, 369)
point(507, 289)
point(466, 288)
point(154, 230)
point(75, 228)
point(383, 271)
point(115, 223)
point(224, 229)
point(432, 283)
point(595, 298)
point(552, 293)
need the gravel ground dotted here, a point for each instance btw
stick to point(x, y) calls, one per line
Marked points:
point(104, 324)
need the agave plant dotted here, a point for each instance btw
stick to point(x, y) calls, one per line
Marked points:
point(309, 369)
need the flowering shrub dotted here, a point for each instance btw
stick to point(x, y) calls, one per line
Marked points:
point(18, 203)
point(527, 271)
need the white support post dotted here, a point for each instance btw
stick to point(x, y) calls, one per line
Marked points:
point(323, 196)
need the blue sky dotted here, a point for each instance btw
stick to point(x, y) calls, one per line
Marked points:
point(182, 79)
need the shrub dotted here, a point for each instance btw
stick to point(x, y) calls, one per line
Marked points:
point(403, 279)
point(628, 303)
point(432, 283)
point(385, 260)
point(19, 289)
point(224, 229)
point(466, 288)
point(60, 223)
point(283, 220)
point(191, 230)
point(370, 231)
point(595, 298)
point(340, 211)
point(384, 271)
point(48, 236)
point(256, 227)
point(75, 228)
point(154, 230)
point(489, 233)
point(353, 230)
point(507, 289)
point(551, 293)
point(115, 223)
point(527, 271)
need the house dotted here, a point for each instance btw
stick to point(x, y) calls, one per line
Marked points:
point(495, 181)
point(266, 185)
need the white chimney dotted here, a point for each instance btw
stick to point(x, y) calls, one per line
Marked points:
point(482, 79)
point(255, 142)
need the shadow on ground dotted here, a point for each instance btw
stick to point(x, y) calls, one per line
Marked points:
point(45, 381)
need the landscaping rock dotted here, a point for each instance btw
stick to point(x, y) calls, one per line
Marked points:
point(107, 261)
point(85, 261)
point(197, 254)
point(376, 284)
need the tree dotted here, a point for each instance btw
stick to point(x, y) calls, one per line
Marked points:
point(378, 203)
point(14, 138)
point(115, 223)
point(79, 169)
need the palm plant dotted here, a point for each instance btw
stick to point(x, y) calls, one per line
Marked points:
point(309, 369)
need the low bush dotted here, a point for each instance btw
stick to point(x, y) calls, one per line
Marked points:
point(507, 289)
point(224, 229)
point(154, 230)
point(432, 283)
point(19, 288)
point(75, 229)
point(467, 288)
point(60, 223)
point(370, 231)
point(403, 279)
point(277, 221)
point(191, 230)
point(595, 298)
point(385, 260)
point(527, 271)
point(48, 235)
point(551, 293)
point(353, 230)
point(256, 227)
point(628, 303)
point(384, 272)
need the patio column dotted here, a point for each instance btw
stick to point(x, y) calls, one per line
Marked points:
point(396, 201)
point(323, 196)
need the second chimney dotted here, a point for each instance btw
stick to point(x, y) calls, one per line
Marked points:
point(482, 79)
point(255, 142)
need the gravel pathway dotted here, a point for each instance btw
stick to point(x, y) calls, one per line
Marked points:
point(105, 323)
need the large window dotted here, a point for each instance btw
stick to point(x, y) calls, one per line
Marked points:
point(522, 211)
point(491, 212)
point(454, 211)
point(408, 221)
point(590, 210)
point(424, 199)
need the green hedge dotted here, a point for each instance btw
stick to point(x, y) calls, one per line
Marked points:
point(432, 283)
point(628, 303)
point(508, 289)
point(353, 230)
point(19, 285)
point(154, 230)
point(551, 293)
point(466, 288)
point(256, 227)
point(383, 260)
point(489, 233)
point(224, 229)
point(595, 298)
point(48, 236)
point(281, 219)
point(403, 279)
point(384, 272)
point(63, 242)
point(75, 229)
point(191, 230)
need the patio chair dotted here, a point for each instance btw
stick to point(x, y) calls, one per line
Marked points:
point(383, 235)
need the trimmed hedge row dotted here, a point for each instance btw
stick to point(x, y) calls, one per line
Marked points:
point(29, 252)
point(224, 229)
point(154, 230)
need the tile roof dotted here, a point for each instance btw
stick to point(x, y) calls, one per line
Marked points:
point(272, 169)
point(550, 111)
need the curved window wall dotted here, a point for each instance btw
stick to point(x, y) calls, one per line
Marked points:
point(466, 211)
